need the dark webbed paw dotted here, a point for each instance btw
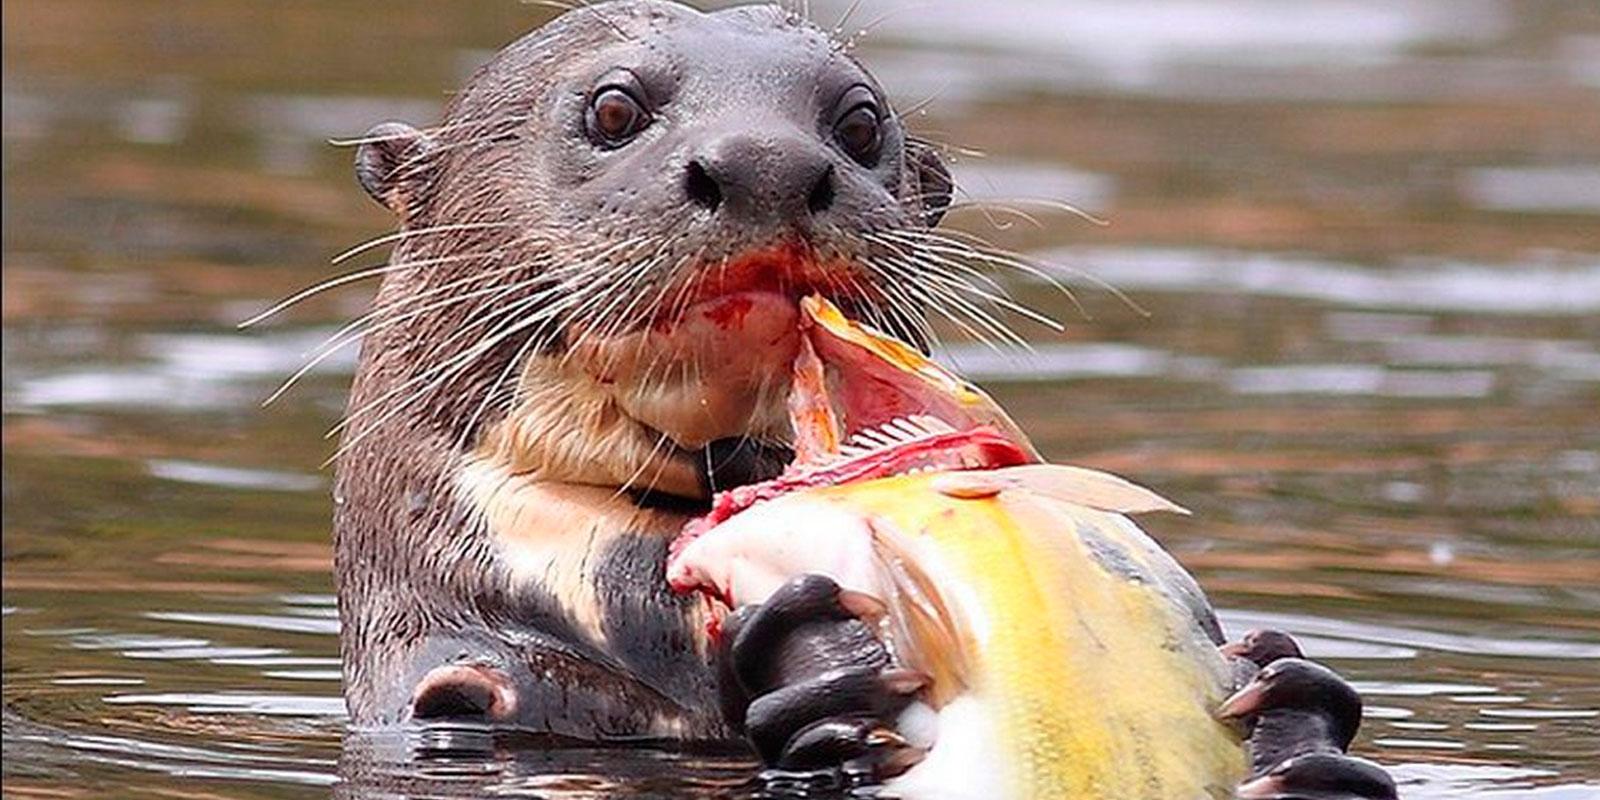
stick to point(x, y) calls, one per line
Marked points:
point(808, 683)
point(1302, 717)
point(1295, 706)
point(464, 692)
point(1322, 776)
point(1262, 646)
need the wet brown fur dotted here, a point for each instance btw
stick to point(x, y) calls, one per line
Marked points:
point(480, 523)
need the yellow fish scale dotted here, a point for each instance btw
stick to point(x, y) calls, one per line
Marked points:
point(1099, 685)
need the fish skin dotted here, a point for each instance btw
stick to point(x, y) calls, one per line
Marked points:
point(1058, 627)
point(1068, 655)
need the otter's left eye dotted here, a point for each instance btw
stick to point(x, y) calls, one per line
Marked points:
point(615, 117)
point(859, 130)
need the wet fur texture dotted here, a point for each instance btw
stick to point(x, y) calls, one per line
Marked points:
point(481, 517)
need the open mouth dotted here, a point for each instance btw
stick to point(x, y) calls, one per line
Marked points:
point(724, 292)
point(708, 357)
point(791, 269)
point(864, 406)
point(750, 359)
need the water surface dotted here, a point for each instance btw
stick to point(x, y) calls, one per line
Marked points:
point(1360, 248)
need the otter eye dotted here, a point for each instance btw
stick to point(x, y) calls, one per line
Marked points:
point(859, 130)
point(615, 117)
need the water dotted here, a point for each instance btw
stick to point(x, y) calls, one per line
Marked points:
point(1363, 239)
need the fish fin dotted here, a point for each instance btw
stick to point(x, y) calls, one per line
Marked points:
point(925, 636)
point(1087, 487)
point(811, 415)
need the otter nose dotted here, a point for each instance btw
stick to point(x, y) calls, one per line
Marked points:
point(761, 179)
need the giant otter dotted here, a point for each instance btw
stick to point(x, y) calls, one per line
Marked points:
point(591, 301)
point(584, 330)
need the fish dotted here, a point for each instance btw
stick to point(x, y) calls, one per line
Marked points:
point(1066, 654)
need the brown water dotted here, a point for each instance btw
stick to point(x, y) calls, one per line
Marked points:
point(1366, 233)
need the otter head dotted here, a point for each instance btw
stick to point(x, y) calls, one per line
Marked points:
point(605, 242)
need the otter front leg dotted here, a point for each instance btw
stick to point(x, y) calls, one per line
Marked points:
point(1302, 717)
point(559, 620)
point(810, 686)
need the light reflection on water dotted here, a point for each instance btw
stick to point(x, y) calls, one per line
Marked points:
point(289, 735)
point(1361, 342)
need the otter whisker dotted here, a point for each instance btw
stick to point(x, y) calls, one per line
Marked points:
point(607, 322)
point(586, 8)
point(894, 306)
point(1043, 202)
point(354, 331)
point(621, 321)
point(539, 262)
point(625, 318)
point(916, 253)
point(384, 310)
point(914, 265)
point(939, 296)
point(989, 208)
point(433, 131)
point(864, 30)
point(349, 278)
point(494, 316)
point(384, 315)
point(408, 233)
point(652, 457)
point(1025, 264)
point(919, 106)
point(940, 267)
point(936, 273)
point(936, 302)
point(624, 285)
point(934, 243)
point(844, 19)
point(660, 294)
point(508, 310)
point(495, 129)
point(318, 288)
point(686, 290)
point(906, 278)
point(900, 305)
point(446, 370)
point(530, 345)
point(609, 298)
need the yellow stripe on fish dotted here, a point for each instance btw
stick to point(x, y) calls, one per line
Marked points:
point(1071, 630)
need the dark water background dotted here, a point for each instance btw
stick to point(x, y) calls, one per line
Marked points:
point(1366, 232)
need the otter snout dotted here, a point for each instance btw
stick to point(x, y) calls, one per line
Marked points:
point(760, 179)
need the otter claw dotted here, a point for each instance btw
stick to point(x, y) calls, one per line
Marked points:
point(1302, 702)
point(808, 683)
point(1262, 646)
point(839, 693)
point(861, 745)
point(1302, 717)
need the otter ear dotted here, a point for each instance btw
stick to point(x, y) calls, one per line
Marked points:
point(395, 164)
point(934, 184)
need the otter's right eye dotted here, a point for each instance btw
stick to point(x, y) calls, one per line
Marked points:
point(615, 117)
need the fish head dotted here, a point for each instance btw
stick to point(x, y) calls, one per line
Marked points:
point(865, 406)
point(872, 381)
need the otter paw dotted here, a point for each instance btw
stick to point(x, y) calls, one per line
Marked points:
point(1294, 707)
point(464, 692)
point(1321, 776)
point(1302, 717)
point(1262, 646)
point(810, 686)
